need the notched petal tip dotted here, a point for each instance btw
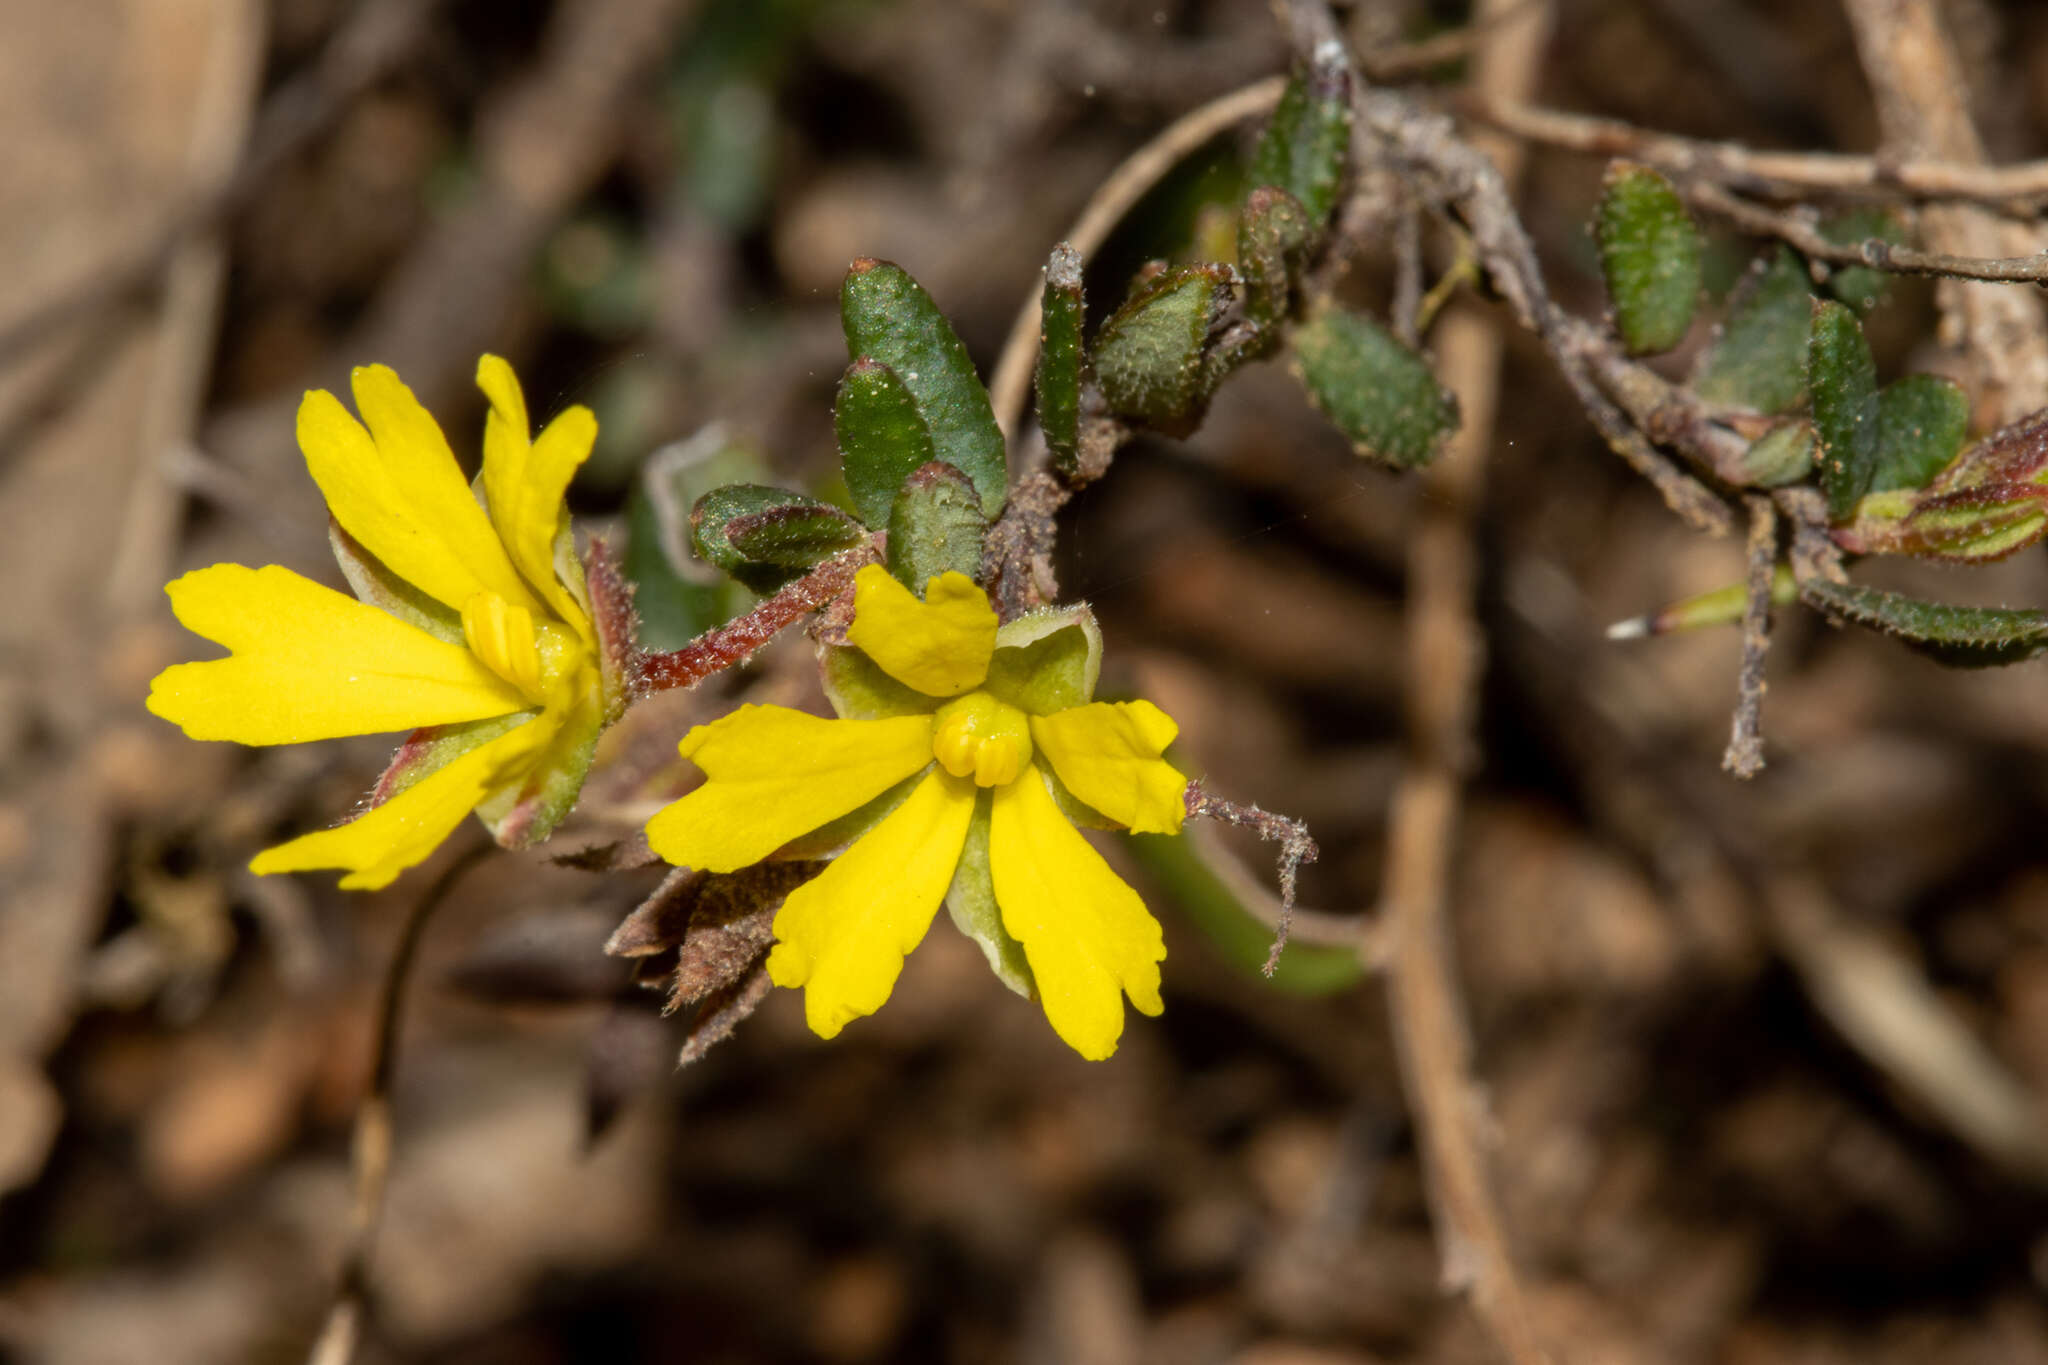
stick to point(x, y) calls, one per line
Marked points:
point(940, 646)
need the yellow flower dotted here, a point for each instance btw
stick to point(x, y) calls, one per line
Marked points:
point(967, 751)
point(474, 629)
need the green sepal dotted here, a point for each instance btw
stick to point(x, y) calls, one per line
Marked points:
point(1306, 144)
point(1151, 356)
point(1782, 455)
point(377, 586)
point(1273, 236)
point(882, 437)
point(764, 537)
point(1758, 356)
point(431, 748)
point(1844, 381)
point(1861, 287)
point(858, 689)
point(1375, 390)
point(1650, 253)
point(1062, 364)
point(889, 318)
point(1196, 872)
point(524, 813)
point(971, 902)
point(1922, 420)
point(935, 527)
point(1047, 661)
point(1969, 636)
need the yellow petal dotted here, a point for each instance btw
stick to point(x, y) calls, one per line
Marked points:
point(525, 481)
point(375, 847)
point(772, 774)
point(1086, 934)
point(940, 646)
point(397, 489)
point(312, 663)
point(1108, 754)
point(843, 935)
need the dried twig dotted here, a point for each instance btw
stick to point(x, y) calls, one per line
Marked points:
point(1443, 652)
point(1795, 227)
point(1756, 171)
point(1924, 109)
point(370, 1157)
point(1745, 755)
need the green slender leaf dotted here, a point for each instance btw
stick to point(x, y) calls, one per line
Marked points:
point(1964, 635)
point(1151, 356)
point(1861, 287)
point(1650, 253)
point(1844, 380)
point(764, 537)
point(1758, 358)
point(1061, 361)
point(889, 318)
point(1376, 391)
point(936, 526)
point(882, 438)
point(1207, 885)
point(1921, 422)
point(1306, 144)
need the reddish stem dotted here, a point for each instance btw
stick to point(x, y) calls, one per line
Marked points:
point(738, 639)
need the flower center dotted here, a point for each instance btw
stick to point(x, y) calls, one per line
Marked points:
point(504, 637)
point(982, 738)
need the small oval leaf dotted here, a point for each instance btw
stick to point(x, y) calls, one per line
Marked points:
point(1376, 391)
point(1273, 235)
point(1844, 381)
point(1650, 253)
point(1061, 362)
point(1921, 422)
point(1151, 356)
point(1306, 144)
point(936, 526)
point(764, 537)
point(889, 317)
point(1758, 357)
point(882, 437)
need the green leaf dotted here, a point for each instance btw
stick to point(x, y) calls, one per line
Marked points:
point(1650, 253)
point(1306, 144)
point(1151, 356)
point(1782, 455)
point(1047, 661)
point(1974, 525)
point(1861, 287)
point(889, 318)
point(1758, 358)
point(1273, 235)
point(1844, 381)
point(1061, 361)
point(1921, 422)
point(881, 437)
point(1967, 635)
point(1379, 393)
point(971, 902)
point(764, 537)
point(1213, 890)
point(936, 526)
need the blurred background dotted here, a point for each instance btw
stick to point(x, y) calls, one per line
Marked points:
point(1765, 1064)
